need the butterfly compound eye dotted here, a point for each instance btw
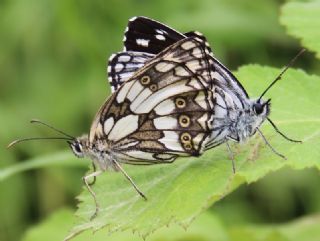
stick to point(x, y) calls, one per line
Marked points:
point(258, 108)
point(77, 149)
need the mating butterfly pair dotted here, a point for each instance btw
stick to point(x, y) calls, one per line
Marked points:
point(236, 117)
point(170, 98)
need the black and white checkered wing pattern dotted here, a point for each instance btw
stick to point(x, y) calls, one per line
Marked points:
point(163, 111)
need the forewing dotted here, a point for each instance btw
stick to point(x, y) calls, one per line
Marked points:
point(164, 110)
point(146, 35)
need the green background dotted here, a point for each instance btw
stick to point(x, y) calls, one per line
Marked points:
point(53, 67)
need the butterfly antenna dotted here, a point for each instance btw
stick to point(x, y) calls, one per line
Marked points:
point(36, 138)
point(52, 128)
point(283, 135)
point(282, 72)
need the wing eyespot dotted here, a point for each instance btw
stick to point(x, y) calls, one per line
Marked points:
point(184, 121)
point(145, 80)
point(180, 103)
point(185, 137)
point(153, 87)
point(187, 146)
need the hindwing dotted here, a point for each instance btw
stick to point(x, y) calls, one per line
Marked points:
point(163, 110)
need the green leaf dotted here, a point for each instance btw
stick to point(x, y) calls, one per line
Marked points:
point(54, 159)
point(180, 191)
point(302, 21)
point(207, 227)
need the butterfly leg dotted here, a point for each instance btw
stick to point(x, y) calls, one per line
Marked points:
point(269, 145)
point(85, 180)
point(129, 179)
point(231, 157)
point(94, 168)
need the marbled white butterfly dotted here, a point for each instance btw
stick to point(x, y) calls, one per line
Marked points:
point(236, 116)
point(163, 111)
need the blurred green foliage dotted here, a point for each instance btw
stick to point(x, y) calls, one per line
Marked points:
point(53, 67)
point(302, 21)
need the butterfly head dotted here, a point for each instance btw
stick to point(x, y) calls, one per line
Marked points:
point(248, 121)
point(98, 151)
point(80, 146)
point(261, 108)
point(259, 111)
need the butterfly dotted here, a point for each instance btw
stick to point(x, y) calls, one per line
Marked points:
point(163, 111)
point(236, 116)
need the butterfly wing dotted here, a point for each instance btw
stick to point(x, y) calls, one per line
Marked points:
point(122, 65)
point(145, 28)
point(157, 36)
point(163, 110)
point(146, 35)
